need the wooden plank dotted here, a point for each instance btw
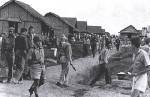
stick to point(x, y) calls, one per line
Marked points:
point(4, 12)
point(5, 27)
point(21, 13)
point(11, 10)
point(16, 11)
point(1, 25)
point(29, 17)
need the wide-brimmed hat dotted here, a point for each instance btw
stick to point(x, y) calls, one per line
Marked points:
point(11, 28)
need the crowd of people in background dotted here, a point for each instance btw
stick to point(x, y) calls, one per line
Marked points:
point(93, 43)
point(24, 56)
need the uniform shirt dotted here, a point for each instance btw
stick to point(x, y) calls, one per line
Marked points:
point(36, 55)
point(140, 61)
point(8, 43)
point(65, 49)
point(104, 55)
point(21, 43)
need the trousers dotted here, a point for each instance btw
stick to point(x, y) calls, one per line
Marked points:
point(103, 71)
point(20, 64)
point(9, 60)
point(64, 73)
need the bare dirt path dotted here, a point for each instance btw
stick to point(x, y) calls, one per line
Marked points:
point(49, 89)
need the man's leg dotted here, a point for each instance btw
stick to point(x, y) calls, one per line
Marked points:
point(20, 67)
point(135, 93)
point(66, 74)
point(99, 74)
point(107, 76)
point(42, 78)
point(63, 77)
point(9, 60)
point(34, 87)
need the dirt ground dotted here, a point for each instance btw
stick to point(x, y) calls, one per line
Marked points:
point(49, 89)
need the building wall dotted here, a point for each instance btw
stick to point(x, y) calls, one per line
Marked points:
point(15, 11)
point(122, 35)
point(60, 27)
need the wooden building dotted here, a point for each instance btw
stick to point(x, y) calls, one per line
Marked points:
point(129, 32)
point(18, 14)
point(61, 26)
point(82, 26)
point(72, 21)
point(95, 30)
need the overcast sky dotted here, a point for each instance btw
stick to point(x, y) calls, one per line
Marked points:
point(112, 15)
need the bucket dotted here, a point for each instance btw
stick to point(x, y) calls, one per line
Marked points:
point(121, 76)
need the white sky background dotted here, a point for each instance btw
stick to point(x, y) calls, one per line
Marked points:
point(112, 15)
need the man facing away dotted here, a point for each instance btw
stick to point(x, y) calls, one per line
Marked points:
point(8, 44)
point(64, 58)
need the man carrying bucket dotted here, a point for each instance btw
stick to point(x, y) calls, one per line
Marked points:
point(139, 68)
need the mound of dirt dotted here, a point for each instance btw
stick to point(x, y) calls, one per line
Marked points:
point(121, 64)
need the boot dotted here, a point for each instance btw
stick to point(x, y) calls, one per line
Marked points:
point(36, 95)
point(31, 91)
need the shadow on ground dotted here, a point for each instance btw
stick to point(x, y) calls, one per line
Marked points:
point(79, 92)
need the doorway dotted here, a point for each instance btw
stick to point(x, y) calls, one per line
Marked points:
point(15, 25)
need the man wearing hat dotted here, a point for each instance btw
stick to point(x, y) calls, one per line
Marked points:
point(30, 36)
point(8, 44)
point(64, 57)
point(21, 48)
point(37, 67)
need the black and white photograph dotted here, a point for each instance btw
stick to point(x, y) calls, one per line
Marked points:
point(74, 48)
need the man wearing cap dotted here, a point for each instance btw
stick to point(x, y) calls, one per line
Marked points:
point(37, 67)
point(21, 48)
point(8, 44)
point(64, 57)
point(30, 36)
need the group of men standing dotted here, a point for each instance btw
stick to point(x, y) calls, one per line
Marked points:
point(14, 51)
point(95, 44)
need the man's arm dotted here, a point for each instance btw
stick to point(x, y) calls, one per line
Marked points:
point(2, 48)
point(146, 60)
point(69, 53)
point(106, 56)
